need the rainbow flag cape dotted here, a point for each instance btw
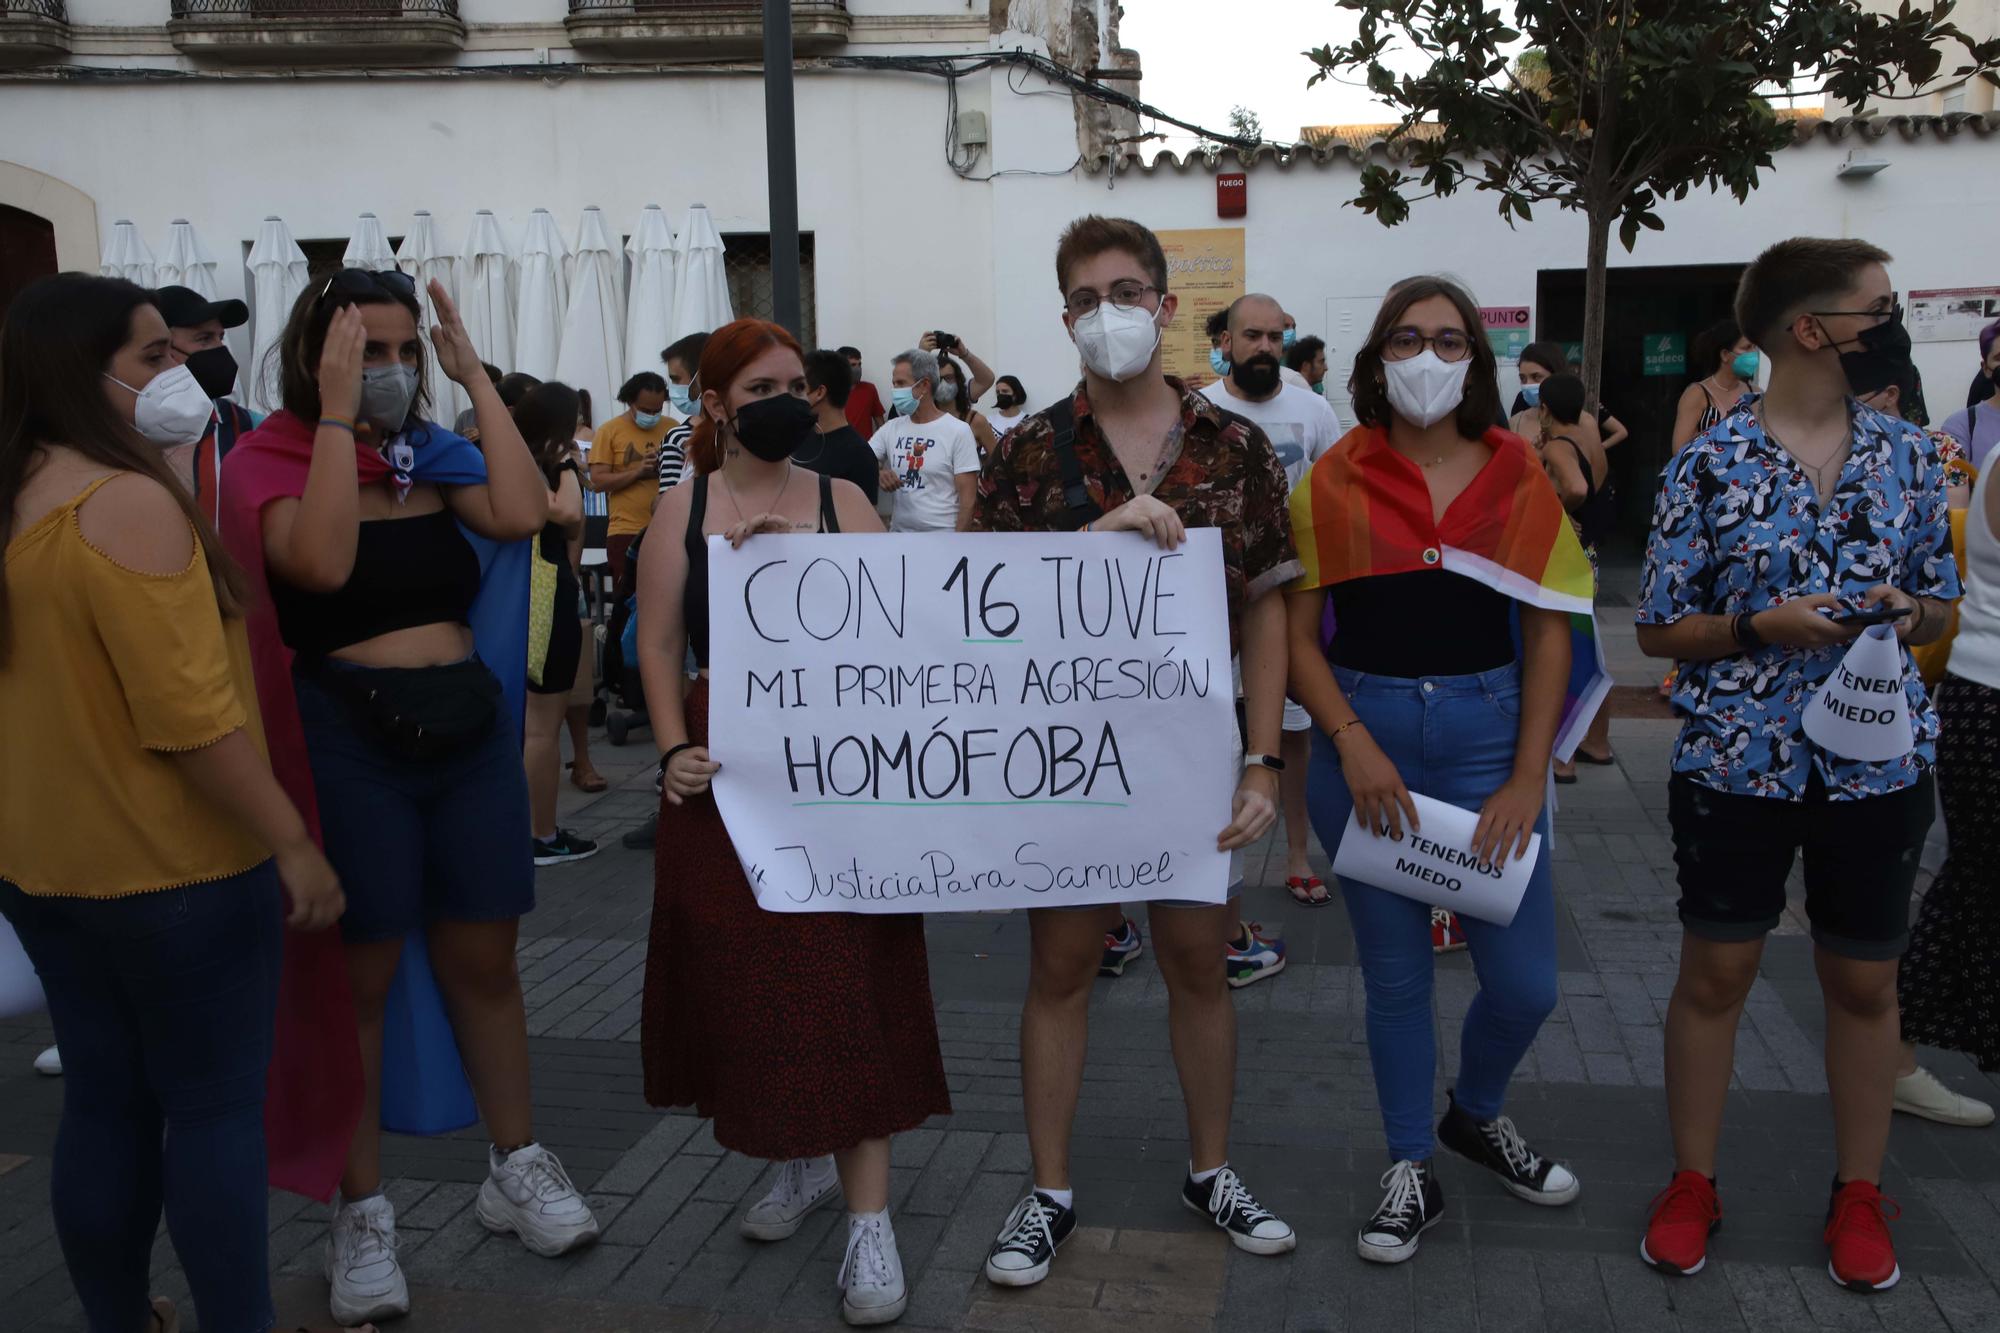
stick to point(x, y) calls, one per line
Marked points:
point(1365, 509)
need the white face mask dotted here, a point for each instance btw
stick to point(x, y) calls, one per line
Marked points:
point(173, 408)
point(1117, 344)
point(1425, 389)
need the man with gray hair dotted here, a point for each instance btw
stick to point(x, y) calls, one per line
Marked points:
point(928, 458)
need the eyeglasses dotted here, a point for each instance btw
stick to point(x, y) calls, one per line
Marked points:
point(362, 281)
point(1124, 295)
point(1893, 312)
point(1449, 344)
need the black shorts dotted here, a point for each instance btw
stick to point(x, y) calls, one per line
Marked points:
point(1735, 852)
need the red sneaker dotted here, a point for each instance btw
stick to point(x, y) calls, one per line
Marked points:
point(1685, 1214)
point(1860, 1255)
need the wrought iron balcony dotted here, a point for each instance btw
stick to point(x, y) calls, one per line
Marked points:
point(698, 29)
point(293, 32)
point(33, 32)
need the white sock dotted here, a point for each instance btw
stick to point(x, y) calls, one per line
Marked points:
point(1063, 1198)
point(1203, 1177)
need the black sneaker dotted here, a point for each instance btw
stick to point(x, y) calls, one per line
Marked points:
point(563, 848)
point(1499, 1147)
point(641, 839)
point(1035, 1230)
point(1413, 1205)
point(1251, 1226)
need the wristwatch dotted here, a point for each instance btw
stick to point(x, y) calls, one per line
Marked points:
point(1746, 635)
point(1270, 761)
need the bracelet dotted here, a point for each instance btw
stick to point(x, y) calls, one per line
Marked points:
point(1334, 735)
point(673, 750)
point(1922, 612)
point(341, 422)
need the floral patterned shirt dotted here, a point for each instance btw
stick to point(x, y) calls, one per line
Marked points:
point(1738, 527)
point(1216, 470)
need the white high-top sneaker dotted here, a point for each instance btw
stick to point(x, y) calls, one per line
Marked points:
point(528, 1193)
point(361, 1263)
point(871, 1276)
point(803, 1184)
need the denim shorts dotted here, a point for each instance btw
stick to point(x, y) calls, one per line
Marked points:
point(416, 841)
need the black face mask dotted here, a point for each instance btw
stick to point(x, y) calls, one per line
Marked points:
point(214, 369)
point(1879, 360)
point(1004, 401)
point(771, 428)
point(1257, 376)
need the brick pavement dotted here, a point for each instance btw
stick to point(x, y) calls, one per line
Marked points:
point(1306, 1136)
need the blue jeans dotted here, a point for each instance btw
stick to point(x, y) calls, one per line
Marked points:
point(164, 1004)
point(1452, 739)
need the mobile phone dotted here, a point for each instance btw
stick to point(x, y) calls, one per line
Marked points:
point(1877, 615)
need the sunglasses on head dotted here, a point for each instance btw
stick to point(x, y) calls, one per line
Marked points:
point(363, 282)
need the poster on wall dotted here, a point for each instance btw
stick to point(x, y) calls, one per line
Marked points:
point(1951, 314)
point(956, 722)
point(1204, 269)
point(1507, 330)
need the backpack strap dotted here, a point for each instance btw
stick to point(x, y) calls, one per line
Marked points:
point(1081, 509)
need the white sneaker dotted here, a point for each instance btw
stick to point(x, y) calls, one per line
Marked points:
point(1920, 1093)
point(49, 1062)
point(361, 1263)
point(528, 1193)
point(803, 1184)
point(871, 1276)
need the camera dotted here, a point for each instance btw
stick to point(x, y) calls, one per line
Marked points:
point(946, 342)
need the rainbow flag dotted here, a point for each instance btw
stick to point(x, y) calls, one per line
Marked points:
point(1365, 509)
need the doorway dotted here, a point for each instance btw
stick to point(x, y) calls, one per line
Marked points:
point(1646, 310)
point(27, 251)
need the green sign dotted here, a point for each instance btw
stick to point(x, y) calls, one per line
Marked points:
point(1573, 353)
point(1665, 354)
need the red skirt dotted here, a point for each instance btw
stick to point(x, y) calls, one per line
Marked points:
point(797, 1033)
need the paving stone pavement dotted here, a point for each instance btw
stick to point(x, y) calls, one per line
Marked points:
point(1306, 1137)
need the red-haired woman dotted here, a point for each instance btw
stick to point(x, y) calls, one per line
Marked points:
point(856, 1058)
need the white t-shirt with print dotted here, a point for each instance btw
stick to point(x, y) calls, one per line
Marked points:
point(925, 458)
point(1299, 423)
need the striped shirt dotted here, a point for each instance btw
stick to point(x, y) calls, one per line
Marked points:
point(673, 456)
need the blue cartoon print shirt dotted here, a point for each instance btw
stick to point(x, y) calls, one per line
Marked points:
point(1738, 527)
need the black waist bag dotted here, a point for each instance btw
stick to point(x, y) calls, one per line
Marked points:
point(420, 713)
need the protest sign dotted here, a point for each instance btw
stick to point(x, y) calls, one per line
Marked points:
point(1436, 864)
point(946, 722)
point(1862, 711)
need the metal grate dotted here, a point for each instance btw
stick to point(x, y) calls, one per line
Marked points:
point(746, 264)
point(719, 8)
point(38, 9)
point(181, 9)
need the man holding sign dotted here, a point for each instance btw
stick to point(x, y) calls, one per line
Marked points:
point(1780, 535)
point(1134, 450)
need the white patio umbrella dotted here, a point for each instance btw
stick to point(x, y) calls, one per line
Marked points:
point(541, 297)
point(486, 293)
point(126, 256)
point(424, 258)
point(649, 309)
point(368, 247)
point(277, 275)
point(593, 335)
point(701, 303)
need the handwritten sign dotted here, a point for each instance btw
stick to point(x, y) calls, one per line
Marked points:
point(945, 722)
point(1861, 711)
point(1436, 865)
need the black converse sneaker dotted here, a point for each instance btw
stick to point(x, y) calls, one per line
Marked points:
point(1499, 1147)
point(1413, 1205)
point(1251, 1226)
point(1027, 1244)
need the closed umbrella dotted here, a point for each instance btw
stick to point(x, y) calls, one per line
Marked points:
point(541, 297)
point(126, 256)
point(593, 336)
point(701, 304)
point(368, 247)
point(425, 259)
point(486, 293)
point(649, 311)
point(277, 276)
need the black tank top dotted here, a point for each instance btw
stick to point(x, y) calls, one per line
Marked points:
point(407, 572)
point(694, 602)
point(1595, 517)
point(1429, 622)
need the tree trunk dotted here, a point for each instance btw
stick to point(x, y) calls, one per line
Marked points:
point(1595, 279)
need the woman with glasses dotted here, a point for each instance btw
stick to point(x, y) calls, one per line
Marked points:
point(396, 558)
point(1433, 540)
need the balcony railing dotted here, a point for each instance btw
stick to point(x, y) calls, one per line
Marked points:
point(33, 32)
point(322, 31)
point(690, 29)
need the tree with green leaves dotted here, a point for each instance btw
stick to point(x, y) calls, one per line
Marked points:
point(1245, 124)
point(1617, 105)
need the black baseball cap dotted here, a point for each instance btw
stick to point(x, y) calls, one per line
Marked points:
point(183, 308)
